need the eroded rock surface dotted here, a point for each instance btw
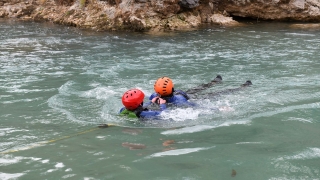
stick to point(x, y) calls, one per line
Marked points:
point(157, 15)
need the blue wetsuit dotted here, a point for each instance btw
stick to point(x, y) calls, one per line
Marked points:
point(142, 113)
point(179, 98)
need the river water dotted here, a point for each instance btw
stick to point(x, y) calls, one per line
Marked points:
point(58, 83)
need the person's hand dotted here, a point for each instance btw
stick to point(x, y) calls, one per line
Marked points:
point(162, 101)
point(158, 100)
point(155, 100)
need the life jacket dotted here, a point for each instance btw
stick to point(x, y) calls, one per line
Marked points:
point(128, 113)
point(132, 114)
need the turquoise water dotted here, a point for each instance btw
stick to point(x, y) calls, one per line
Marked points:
point(58, 83)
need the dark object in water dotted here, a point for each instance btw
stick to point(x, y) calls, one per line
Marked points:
point(103, 125)
point(168, 142)
point(132, 131)
point(247, 83)
point(233, 173)
point(133, 146)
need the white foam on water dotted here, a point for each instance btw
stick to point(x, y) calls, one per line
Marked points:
point(68, 170)
point(290, 169)
point(12, 130)
point(299, 119)
point(68, 176)
point(102, 93)
point(22, 100)
point(284, 110)
point(310, 153)
point(51, 170)
point(185, 130)
point(299, 34)
point(199, 128)
point(25, 146)
point(57, 73)
point(180, 114)
point(7, 161)
point(58, 104)
point(59, 165)
point(66, 89)
point(7, 176)
point(177, 152)
point(249, 143)
point(45, 161)
point(204, 109)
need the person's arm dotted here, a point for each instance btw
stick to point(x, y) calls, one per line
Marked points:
point(122, 109)
point(153, 95)
point(180, 100)
point(149, 114)
point(152, 114)
point(150, 98)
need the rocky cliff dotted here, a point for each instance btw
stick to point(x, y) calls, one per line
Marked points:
point(157, 15)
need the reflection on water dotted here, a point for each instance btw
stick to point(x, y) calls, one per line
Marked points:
point(57, 84)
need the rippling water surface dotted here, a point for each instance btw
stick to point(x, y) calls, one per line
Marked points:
point(58, 83)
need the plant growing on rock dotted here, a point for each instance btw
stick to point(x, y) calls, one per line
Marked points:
point(64, 2)
point(82, 3)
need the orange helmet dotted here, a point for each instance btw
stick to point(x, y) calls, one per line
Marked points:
point(163, 86)
point(132, 99)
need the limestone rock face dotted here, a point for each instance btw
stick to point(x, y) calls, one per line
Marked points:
point(157, 15)
point(15, 8)
point(220, 19)
point(284, 10)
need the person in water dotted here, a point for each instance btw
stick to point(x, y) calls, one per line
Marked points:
point(165, 93)
point(133, 105)
point(164, 88)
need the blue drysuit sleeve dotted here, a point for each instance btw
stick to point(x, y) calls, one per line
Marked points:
point(123, 108)
point(152, 114)
point(180, 100)
point(153, 95)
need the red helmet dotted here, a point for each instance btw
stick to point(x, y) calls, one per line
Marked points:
point(132, 98)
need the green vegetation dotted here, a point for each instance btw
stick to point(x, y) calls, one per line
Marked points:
point(82, 3)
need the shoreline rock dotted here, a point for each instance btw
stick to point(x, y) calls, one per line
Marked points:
point(157, 15)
